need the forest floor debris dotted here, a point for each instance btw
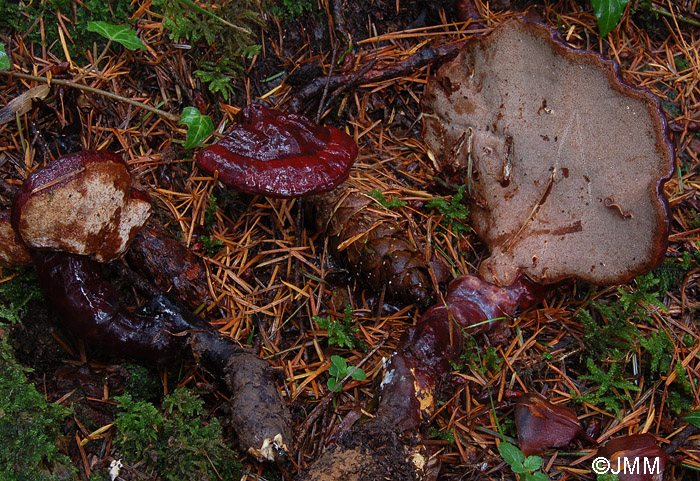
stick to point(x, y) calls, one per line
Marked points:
point(624, 358)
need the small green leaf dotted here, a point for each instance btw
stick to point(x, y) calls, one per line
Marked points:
point(533, 463)
point(199, 126)
point(538, 476)
point(518, 468)
point(333, 385)
point(4, 59)
point(608, 13)
point(117, 33)
point(510, 453)
point(358, 374)
point(693, 418)
point(338, 366)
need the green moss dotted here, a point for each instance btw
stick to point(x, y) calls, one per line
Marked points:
point(444, 434)
point(607, 388)
point(176, 440)
point(143, 384)
point(28, 428)
point(454, 212)
point(211, 246)
point(660, 347)
point(681, 63)
point(16, 293)
point(291, 9)
point(394, 203)
point(341, 332)
point(226, 27)
point(22, 17)
point(680, 393)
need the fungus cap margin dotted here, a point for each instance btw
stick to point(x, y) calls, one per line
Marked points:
point(82, 203)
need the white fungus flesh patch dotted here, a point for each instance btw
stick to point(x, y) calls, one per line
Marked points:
point(85, 206)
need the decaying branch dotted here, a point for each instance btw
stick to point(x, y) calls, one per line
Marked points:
point(90, 306)
point(422, 58)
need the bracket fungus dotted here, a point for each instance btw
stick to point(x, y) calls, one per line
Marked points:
point(82, 203)
point(565, 161)
point(279, 155)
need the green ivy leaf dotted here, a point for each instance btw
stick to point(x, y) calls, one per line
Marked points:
point(511, 454)
point(533, 463)
point(199, 126)
point(693, 418)
point(608, 13)
point(117, 33)
point(4, 59)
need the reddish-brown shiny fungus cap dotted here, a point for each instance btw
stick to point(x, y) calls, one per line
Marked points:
point(636, 450)
point(542, 425)
point(280, 155)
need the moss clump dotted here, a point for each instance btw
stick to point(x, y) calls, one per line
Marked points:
point(176, 440)
point(291, 9)
point(29, 427)
point(22, 18)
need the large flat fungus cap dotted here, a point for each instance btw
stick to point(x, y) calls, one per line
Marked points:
point(280, 155)
point(565, 162)
point(81, 203)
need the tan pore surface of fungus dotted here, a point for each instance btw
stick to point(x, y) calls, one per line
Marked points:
point(82, 203)
point(12, 252)
point(565, 162)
